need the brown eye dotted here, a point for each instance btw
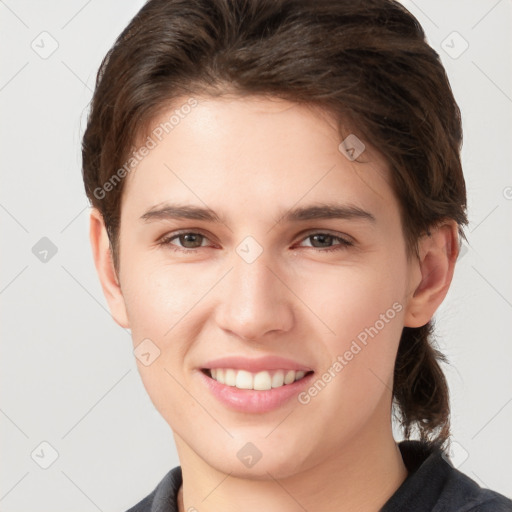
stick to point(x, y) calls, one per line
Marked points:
point(188, 241)
point(326, 242)
point(191, 240)
point(324, 239)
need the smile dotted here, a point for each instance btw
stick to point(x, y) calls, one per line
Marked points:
point(259, 381)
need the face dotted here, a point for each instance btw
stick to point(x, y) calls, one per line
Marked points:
point(273, 272)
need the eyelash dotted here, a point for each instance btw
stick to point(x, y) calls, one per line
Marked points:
point(166, 241)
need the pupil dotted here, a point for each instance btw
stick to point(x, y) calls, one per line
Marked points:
point(186, 238)
point(324, 238)
point(189, 238)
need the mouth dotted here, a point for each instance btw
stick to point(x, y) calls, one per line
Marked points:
point(256, 381)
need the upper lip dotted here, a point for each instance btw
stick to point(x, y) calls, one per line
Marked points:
point(256, 365)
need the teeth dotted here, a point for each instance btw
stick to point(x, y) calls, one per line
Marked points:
point(277, 379)
point(261, 381)
point(230, 378)
point(289, 377)
point(244, 380)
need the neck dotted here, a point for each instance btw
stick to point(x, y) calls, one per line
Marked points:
point(359, 477)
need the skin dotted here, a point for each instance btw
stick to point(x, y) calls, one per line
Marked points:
point(250, 160)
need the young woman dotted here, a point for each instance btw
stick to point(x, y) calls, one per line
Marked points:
point(278, 202)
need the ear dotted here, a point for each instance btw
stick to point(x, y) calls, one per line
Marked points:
point(431, 274)
point(105, 267)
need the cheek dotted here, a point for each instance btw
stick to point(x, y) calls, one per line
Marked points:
point(361, 312)
point(158, 297)
point(338, 300)
point(163, 303)
point(348, 299)
point(160, 304)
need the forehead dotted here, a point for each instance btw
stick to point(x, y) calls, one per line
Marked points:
point(253, 151)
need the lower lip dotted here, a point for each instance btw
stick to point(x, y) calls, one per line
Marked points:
point(249, 400)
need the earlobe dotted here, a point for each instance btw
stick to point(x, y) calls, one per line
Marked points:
point(436, 264)
point(105, 268)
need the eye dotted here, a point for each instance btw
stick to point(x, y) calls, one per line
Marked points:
point(325, 240)
point(190, 241)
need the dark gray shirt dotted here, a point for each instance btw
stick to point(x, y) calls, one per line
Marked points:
point(433, 485)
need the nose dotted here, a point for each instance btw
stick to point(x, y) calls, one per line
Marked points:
point(255, 301)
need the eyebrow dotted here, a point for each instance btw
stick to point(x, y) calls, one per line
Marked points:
point(168, 211)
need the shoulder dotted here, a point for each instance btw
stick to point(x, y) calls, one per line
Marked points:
point(462, 494)
point(500, 504)
point(435, 485)
point(143, 505)
point(164, 495)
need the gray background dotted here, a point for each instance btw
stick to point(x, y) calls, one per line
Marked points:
point(68, 375)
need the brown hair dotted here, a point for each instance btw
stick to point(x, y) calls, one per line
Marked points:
point(365, 62)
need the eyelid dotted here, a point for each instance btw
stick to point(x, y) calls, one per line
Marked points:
point(313, 231)
point(345, 240)
point(175, 234)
